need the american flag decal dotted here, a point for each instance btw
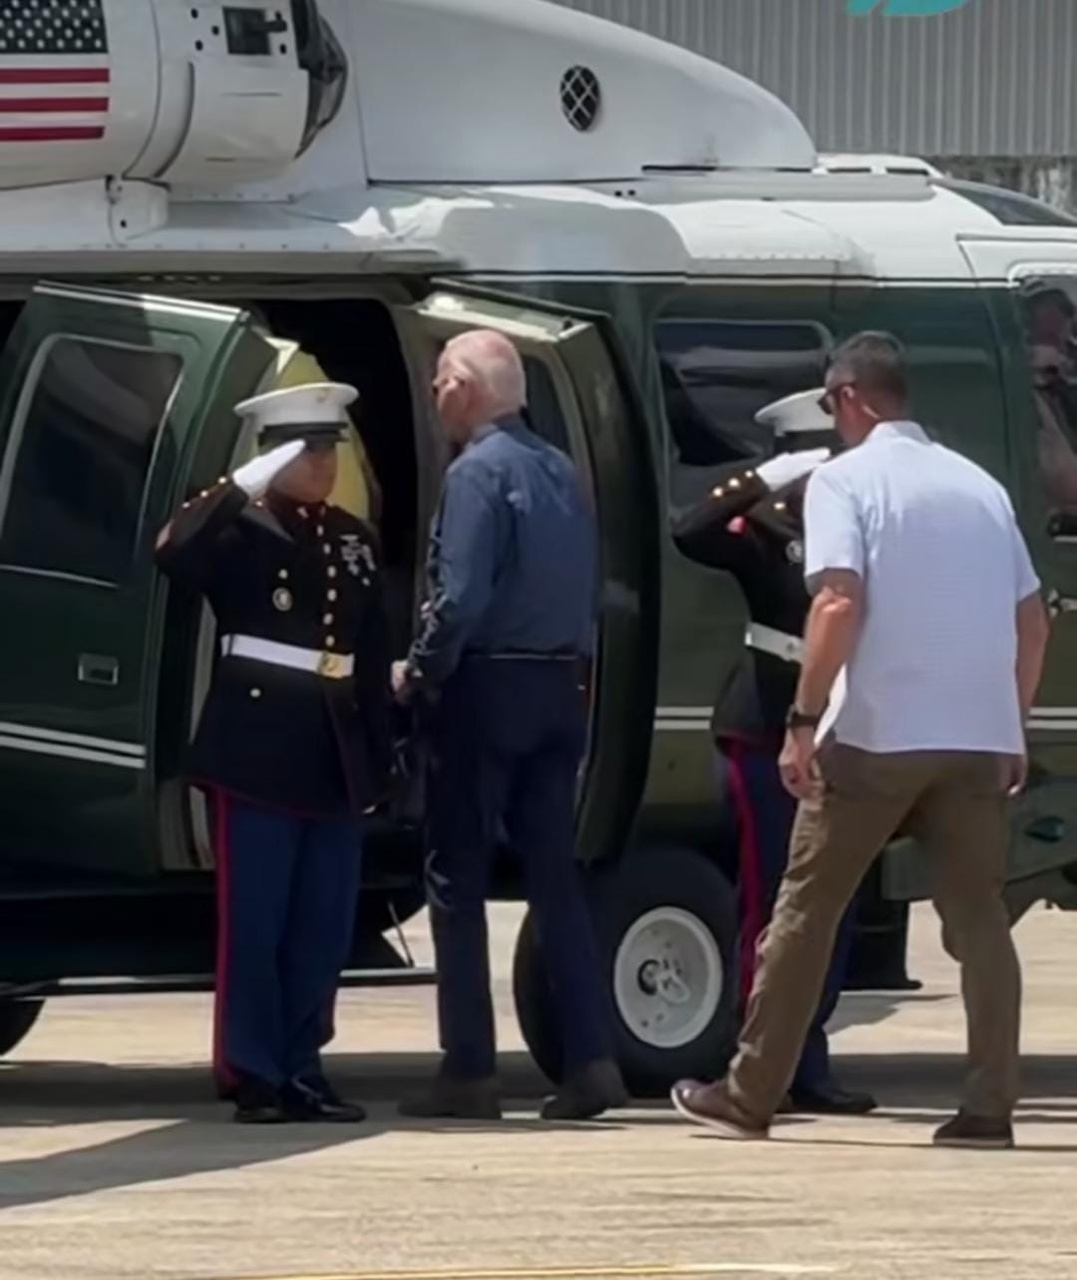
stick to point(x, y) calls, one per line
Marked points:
point(54, 71)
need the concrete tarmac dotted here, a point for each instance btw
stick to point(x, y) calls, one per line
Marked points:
point(115, 1161)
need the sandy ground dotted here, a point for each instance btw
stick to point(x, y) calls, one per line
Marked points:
point(116, 1162)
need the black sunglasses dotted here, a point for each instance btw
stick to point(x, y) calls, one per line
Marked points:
point(827, 402)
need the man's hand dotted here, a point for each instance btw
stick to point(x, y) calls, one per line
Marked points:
point(401, 682)
point(1014, 774)
point(786, 468)
point(798, 766)
point(255, 477)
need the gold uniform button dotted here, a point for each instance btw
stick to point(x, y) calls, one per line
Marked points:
point(328, 619)
point(332, 571)
point(327, 549)
point(330, 641)
point(321, 531)
point(331, 594)
point(734, 483)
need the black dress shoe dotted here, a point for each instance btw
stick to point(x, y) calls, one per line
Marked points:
point(449, 1099)
point(595, 1088)
point(830, 1100)
point(316, 1102)
point(258, 1103)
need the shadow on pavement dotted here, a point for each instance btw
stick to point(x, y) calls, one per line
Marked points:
point(194, 1133)
point(868, 1008)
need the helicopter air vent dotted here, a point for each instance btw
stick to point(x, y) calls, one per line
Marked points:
point(581, 98)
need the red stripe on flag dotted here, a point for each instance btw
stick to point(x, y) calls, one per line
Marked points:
point(57, 105)
point(59, 133)
point(54, 75)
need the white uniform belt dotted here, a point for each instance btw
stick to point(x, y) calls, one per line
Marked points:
point(337, 666)
point(777, 643)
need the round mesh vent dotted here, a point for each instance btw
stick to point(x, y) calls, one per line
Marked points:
point(581, 97)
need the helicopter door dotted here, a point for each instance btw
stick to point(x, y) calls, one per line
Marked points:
point(577, 401)
point(104, 400)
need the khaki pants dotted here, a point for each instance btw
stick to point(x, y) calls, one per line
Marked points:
point(954, 804)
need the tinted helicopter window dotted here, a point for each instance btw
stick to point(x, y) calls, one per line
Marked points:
point(84, 454)
point(716, 376)
point(544, 414)
point(1011, 208)
point(1048, 314)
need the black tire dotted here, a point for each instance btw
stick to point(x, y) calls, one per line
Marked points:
point(16, 1019)
point(620, 896)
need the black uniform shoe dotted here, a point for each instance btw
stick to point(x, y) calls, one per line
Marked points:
point(976, 1133)
point(830, 1100)
point(450, 1099)
point(593, 1089)
point(317, 1102)
point(258, 1103)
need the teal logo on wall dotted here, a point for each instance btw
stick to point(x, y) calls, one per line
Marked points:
point(906, 8)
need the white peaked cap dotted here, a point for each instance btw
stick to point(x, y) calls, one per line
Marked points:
point(320, 402)
point(796, 415)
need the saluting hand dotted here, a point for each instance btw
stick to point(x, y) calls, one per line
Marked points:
point(798, 765)
point(255, 477)
point(787, 468)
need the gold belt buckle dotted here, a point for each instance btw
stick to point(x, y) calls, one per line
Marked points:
point(332, 666)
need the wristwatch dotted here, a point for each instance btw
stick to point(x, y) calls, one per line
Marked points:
point(797, 719)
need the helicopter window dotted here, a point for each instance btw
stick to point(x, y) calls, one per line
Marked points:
point(717, 375)
point(1048, 312)
point(544, 413)
point(84, 451)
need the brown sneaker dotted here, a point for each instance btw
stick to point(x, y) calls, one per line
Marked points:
point(976, 1133)
point(711, 1105)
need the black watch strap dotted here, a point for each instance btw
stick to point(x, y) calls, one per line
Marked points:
point(801, 720)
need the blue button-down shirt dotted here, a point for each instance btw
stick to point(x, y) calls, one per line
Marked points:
point(513, 560)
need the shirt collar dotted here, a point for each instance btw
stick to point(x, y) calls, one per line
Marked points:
point(899, 429)
point(508, 422)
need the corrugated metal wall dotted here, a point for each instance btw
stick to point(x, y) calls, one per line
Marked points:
point(996, 78)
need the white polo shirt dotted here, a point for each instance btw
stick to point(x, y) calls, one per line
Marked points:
point(944, 566)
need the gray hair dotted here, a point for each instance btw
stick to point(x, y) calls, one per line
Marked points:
point(490, 362)
point(875, 362)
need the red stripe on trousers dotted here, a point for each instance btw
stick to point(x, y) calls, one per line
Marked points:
point(222, 1071)
point(751, 868)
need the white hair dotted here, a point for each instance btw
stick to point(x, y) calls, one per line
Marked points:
point(490, 362)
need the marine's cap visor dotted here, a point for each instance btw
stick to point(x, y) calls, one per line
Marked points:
point(311, 433)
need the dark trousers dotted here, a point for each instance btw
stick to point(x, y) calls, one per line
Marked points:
point(506, 743)
point(765, 815)
point(287, 889)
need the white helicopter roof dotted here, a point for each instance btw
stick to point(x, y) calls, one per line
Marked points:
point(492, 137)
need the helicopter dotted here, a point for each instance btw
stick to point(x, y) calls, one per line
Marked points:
point(191, 193)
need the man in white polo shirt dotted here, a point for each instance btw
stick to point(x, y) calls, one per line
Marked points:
point(923, 591)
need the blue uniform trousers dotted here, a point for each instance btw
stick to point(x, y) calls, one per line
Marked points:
point(287, 889)
point(507, 740)
point(766, 814)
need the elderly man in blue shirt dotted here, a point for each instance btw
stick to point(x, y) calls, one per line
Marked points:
point(509, 619)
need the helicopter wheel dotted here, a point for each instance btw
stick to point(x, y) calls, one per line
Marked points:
point(667, 929)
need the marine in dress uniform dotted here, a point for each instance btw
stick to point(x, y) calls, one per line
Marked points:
point(751, 526)
point(508, 622)
point(293, 743)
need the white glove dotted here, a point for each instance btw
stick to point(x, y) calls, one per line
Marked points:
point(255, 477)
point(786, 468)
